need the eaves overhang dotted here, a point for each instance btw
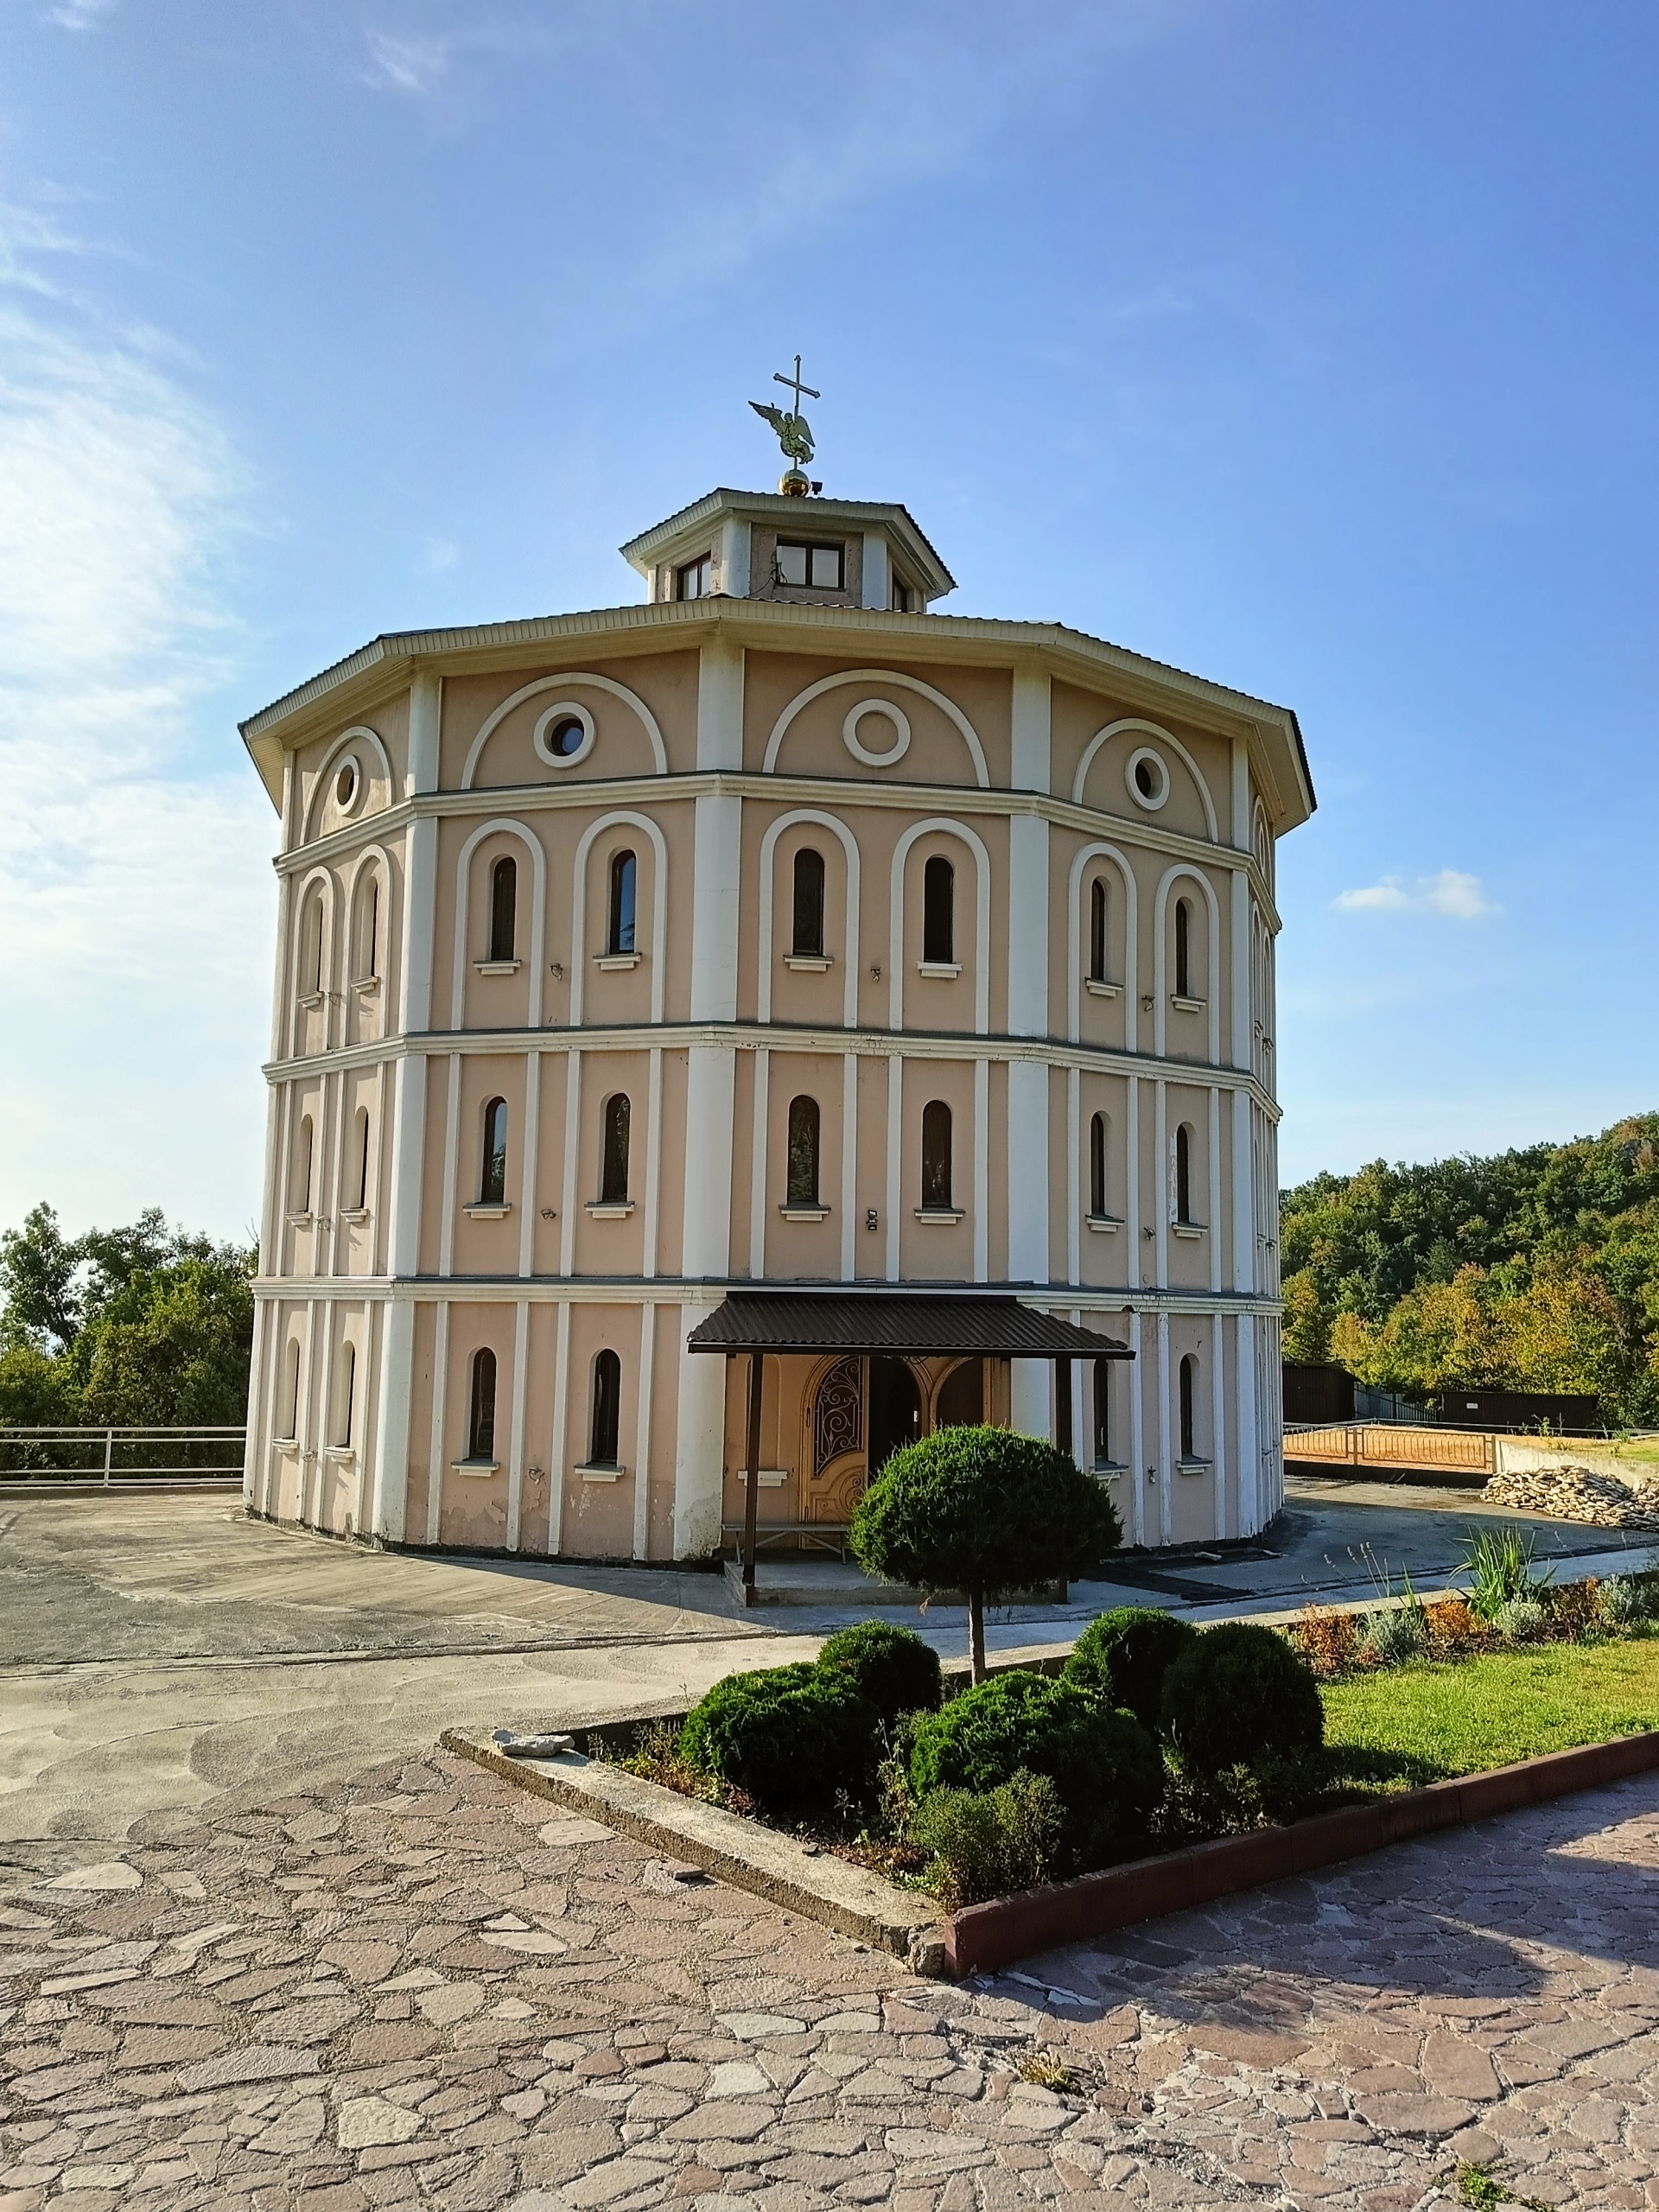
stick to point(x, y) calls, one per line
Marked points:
point(351, 685)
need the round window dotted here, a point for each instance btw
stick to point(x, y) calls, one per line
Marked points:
point(564, 733)
point(1147, 778)
point(346, 783)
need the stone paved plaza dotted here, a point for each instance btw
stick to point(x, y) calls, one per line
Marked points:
point(416, 1988)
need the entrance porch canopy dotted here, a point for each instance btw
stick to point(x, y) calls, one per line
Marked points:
point(895, 1321)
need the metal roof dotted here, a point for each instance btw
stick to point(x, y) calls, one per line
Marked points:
point(894, 1321)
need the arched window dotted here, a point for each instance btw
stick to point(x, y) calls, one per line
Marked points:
point(493, 1182)
point(1184, 1173)
point(345, 1391)
point(809, 905)
point(624, 875)
point(1183, 949)
point(803, 1152)
point(1103, 1412)
point(299, 1173)
point(311, 947)
point(1188, 1376)
point(288, 1422)
point(1097, 1166)
point(607, 1411)
point(938, 912)
point(936, 1157)
point(360, 1160)
point(480, 1425)
point(368, 936)
point(504, 908)
point(1098, 931)
point(614, 1167)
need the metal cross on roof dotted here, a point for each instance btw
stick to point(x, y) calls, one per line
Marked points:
point(794, 433)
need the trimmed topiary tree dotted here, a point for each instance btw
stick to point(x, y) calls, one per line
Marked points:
point(984, 1511)
point(1240, 1693)
point(889, 1665)
point(791, 1738)
point(1123, 1657)
point(1105, 1766)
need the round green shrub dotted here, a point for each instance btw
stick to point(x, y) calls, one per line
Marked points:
point(1103, 1764)
point(791, 1738)
point(1238, 1694)
point(1123, 1657)
point(889, 1665)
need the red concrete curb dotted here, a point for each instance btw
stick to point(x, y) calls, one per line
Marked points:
point(981, 1937)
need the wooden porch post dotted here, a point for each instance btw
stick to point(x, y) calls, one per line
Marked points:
point(752, 1461)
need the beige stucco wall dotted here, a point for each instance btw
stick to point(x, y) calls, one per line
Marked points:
point(1015, 1042)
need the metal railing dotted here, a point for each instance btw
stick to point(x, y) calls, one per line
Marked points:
point(111, 1458)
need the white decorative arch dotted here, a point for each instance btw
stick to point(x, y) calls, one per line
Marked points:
point(1183, 871)
point(371, 857)
point(492, 722)
point(1165, 737)
point(314, 804)
point(1131, 943)
point(1261, 842)
point(768, 853)
point(324, 878)
point(579, 908)
point(502, 826)
point(947, 706)
point(981, 935)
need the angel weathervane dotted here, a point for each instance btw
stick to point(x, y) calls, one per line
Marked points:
point(794, 433)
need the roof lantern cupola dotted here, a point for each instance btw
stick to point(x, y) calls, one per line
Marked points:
point(791, 546)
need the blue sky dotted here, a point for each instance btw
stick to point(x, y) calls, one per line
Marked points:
point(1310, 347)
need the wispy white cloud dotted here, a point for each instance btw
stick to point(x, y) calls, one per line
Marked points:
point(415, 65)
point(134, 887)
point(78, 15)
point(1452, 892)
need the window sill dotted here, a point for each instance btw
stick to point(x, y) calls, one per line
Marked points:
point(483, 1467)
point(488, 1209)
point(948, 1216)
point(804, 1213)
point(497, 967)
point(299, 1220)
point(284, 1443)
point(1192, 1466)
point(310, 999)
point(1102, 1224)
point(945, 968)
point(766, 1478)
point(1106, 1468)
point(1187, 1006)
point(368, 985)
point(594, 1471)
point(612, 960)
point(354, 1213)
point(813, 963)
point(610, 1208)
point(1190, 1230)
point(342, 1455)
point(1101, 989)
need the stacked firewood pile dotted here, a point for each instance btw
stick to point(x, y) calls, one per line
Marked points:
point(1569, 1493)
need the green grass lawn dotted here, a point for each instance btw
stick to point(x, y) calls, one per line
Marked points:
point(1422, 1722)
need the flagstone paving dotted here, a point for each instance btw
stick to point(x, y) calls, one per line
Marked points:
point(420, 1989)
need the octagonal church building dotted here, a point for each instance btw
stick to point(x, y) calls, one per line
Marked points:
point(777, 989)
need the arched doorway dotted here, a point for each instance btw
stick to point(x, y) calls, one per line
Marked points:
point(960, 1401)
point(895, 1410)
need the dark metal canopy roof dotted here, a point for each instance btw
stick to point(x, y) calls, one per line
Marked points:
point(894, 1321)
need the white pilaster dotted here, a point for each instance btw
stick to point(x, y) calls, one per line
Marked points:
point(425, 714)
point(733, 569)
point(982, 1172)
point(1243, 1195)
point(700, 1444)
point(389, 1506)
point(1137, 1380)
point(895, 1157)
point(710, 1101)
point(559, 1448)
point(642, 1432)
point(1028, 1194)
point(1031, 1397)
point(848, 1166)
point(1166, 1459)
point(878, 572)
point(1249, 1449)
point(1219, 1438)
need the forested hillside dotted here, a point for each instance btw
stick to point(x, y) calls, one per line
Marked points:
point(135, 1326)
point(1533, 1270)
